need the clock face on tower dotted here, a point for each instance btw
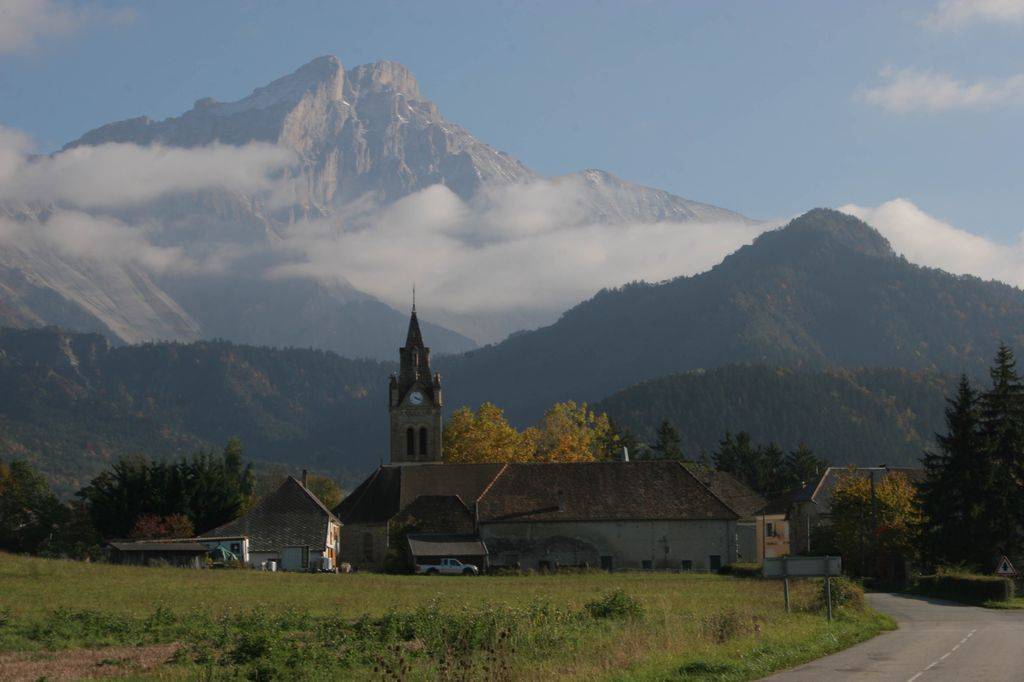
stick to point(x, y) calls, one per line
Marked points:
point(416, 398)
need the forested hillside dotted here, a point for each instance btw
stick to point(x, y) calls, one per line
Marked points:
point(846, 416)
point(824, 291)
point(71, 403)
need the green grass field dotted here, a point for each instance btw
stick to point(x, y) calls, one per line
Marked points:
point(237, 624)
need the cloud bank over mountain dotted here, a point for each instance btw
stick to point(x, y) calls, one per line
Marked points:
point(926, 240)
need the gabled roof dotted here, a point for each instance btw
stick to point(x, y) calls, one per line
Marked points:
point(820, 490)
point(391, 488)
point(599, 491)
point(291, 515)
point(736, 495)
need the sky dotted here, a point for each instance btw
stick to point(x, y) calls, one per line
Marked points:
point(907, 114)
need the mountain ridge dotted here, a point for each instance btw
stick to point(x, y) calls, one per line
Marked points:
point(824, 291)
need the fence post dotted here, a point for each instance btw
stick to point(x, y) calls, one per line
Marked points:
point(828, 594)
point(785, 580)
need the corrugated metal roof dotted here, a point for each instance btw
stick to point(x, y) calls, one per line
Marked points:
point(158, 546)
point(446, 545)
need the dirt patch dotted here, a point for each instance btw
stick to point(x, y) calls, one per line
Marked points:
point(77, 664)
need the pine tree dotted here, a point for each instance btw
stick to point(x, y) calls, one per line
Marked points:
point(1002, 420)
point(803, 466)
point(667, 445)
point(954, 490)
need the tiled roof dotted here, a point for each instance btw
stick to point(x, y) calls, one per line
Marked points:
point(598, 491)
point(291, 515)
point(391, 488)
point(736, 495)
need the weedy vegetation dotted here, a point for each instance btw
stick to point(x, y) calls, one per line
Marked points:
point(259, 626)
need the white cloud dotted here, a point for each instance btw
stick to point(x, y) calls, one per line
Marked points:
point(952, 14)
point(926, 240)
point(910, 90)
point(66, 202)
point(78, 235)
point(525, 246)
point(25, 23)
point(118, 175)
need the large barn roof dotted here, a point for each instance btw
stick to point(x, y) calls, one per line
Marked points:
point(290, 516)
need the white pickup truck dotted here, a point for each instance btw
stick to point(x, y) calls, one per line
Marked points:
point(448, 567)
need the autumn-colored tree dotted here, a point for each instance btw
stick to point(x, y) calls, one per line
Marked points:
point(484, 436)
point(871, 530)
point(325, 488)
point(153, 527)
point(571, 432)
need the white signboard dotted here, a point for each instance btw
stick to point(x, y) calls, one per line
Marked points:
point(1005, 568)
point(803, 566)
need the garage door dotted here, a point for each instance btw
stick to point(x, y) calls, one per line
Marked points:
point(294, 558)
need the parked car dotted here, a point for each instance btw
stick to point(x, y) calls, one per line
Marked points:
point(448, 567)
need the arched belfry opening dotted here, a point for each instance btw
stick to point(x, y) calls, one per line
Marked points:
point(424, 446)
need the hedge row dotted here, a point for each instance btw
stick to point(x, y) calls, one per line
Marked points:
point(965, 587)
point(742, 570)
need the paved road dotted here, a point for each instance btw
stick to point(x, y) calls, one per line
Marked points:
point(937, 641)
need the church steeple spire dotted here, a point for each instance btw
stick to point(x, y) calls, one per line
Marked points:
point(415, 401)
point(414, 338)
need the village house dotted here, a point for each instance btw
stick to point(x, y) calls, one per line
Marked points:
point(811, 507)
point(614, 515)
point(290, 527)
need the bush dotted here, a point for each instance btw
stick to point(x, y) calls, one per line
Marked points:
point(969, 588)
point(615, 604)
point(742, 570)
point(722, 626)
point(845, 594)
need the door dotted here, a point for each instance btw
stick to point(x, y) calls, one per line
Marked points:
point(715, 562)
point(606, 564)
point(294, 558)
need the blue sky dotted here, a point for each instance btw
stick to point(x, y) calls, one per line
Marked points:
point(765, 108)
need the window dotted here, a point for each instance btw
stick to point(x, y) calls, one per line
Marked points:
point(236, 547)
point(686, 565)
point(647, 564)
point(423, 440)
point(769, 529)
point(715, 562)
point(606, 563)
point(368, 546)
point(410, 442)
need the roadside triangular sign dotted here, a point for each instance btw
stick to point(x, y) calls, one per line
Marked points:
point(1005, 568)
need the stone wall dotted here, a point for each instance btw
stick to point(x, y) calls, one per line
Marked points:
point(364, 545)
point(629, 544)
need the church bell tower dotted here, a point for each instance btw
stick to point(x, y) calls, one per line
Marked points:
point(415, 402)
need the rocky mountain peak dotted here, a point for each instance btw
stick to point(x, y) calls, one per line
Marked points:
point(384, 76)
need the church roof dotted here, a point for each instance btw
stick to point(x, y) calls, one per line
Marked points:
point(391, 488)
point(577, 491)
point(600, 491)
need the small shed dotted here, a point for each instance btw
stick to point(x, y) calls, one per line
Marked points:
point(182, 554)
point(430, 548)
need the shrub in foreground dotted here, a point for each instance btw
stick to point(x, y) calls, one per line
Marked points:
point(965, 587)
point(742, 570)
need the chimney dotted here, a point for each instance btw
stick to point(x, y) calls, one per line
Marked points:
point(305, 478)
